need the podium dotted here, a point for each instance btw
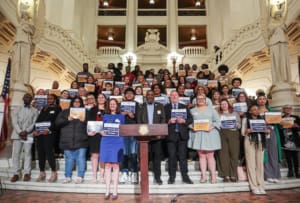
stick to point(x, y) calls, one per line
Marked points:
point(144, 133)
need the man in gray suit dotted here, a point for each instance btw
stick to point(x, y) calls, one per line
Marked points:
point(150, 113)
point(23, 121)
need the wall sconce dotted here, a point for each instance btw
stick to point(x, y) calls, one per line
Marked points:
point(110, 36)
point(151, 2)
point(174, 59)
point(198, 3)
point(129, 59)
point(105, 3)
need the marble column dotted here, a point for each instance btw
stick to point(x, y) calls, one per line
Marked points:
point(131, 28)
point(172, 30)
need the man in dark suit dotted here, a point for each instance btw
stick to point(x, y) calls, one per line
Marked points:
point(151, 113)
point(178, 117)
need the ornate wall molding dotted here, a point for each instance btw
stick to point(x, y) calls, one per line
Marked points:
point(246, 40)
point(60, 43)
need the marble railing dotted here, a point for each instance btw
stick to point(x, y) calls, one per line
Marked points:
point(109, 51)
point(62, 44)
point(194, 51)
point(245, 40)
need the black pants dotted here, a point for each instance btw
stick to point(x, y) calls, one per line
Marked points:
point(156, 152)
point(45, 147)
point(292, 160)
point(177, 150)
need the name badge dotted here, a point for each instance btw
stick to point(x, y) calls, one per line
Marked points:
point(52, 112)
point(158, 112)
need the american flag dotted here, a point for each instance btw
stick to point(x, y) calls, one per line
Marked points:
point(5, 97)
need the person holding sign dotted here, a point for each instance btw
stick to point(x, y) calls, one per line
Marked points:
point(159, 96)
point(290, 128)
point(23, 121)
point(81, 77)
point(129, 108)
point(255, 143)
point(273, 144)
point(230, 139)
point(179, 118)
point(95, 114)
point(73, 138)
point(111, 149)
point(45, 132)
point(204, 136)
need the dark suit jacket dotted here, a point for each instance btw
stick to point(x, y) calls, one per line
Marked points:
point(183, 128)
point(158, 117)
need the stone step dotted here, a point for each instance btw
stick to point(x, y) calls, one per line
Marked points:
point(60, 164)
point(177, 188)
point(194, 175)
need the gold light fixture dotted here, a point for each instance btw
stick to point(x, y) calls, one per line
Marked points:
point(151, 2)
point(193, 37)
point(198, 3)
point(105, 3)
point(110, 36)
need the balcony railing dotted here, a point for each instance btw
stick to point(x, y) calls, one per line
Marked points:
point(194, 51)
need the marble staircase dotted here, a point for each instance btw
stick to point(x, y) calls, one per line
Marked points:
point(178, 188)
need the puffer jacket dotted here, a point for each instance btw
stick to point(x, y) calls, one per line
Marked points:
point(72, 133)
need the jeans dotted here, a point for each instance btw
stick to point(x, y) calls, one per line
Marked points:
point(78, 155)
point(130, 145)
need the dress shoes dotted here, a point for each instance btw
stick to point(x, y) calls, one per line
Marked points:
point(171, 180)
point(106, 196)
point(226, 179)
point(290, 174)
point(187, 180)
point(158, 181)
point(15, 178)
point(114, 196)
point(26, 177)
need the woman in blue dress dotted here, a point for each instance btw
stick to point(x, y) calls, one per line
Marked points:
point(111, 150)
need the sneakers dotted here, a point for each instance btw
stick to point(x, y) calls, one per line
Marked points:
point(134, 178)
point(259, 192)
point(256, 192)
point(79, 180)
point(273, 180)
point(67, 180)
point(124, 178)
point(262, 191)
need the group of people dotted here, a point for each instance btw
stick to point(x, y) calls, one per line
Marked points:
point(212, 116)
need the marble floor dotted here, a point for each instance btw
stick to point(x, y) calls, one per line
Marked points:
point(274, 196)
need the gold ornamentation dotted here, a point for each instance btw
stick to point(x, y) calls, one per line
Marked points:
point(143, 130)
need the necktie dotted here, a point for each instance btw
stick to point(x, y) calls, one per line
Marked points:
point(176, 124)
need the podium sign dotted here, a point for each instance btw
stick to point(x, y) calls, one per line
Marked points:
point(143, 133)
